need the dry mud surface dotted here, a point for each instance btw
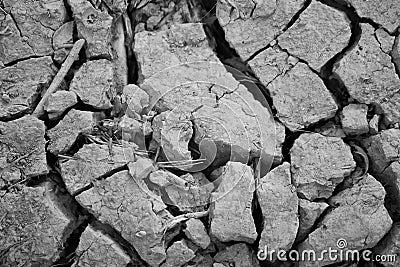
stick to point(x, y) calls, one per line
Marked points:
point(208, 133)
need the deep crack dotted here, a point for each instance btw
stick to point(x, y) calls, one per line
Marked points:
point(332, 81)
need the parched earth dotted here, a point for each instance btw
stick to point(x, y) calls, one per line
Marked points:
point(199, 133)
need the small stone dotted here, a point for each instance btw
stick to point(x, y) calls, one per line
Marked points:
point(141, 234)
point(196, 178)
point(374, 124)
point(319, 164)
point(296, 108)
point(133, 131)
point(90, 162)
point(231, 206)
point(369, 74)
point(59, 102)
point(147, 128)
point(65, 133)
point(32, 228)
point(21, 85)
point(279, 206)
point(196, 232)
point(318, 35)
point(136, 99)
point(178, 254)
point(97, 249)
point(384, 13)
point(237, 255)
point(93, 83)
point(94, 26)
point(126, 204)
point(354, 119)
point(309, 212)
point(64, 35)
point(173, 131)
point(250, 25)
point(360, 218)
point(61, 54)
point(141, 168)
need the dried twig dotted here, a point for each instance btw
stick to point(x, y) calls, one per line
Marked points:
point(157, 153)
point(95, 139)
point(17, 183)
point(176, 180)
point(184, 217)
point(128, 28)
point(177, 162)
point(6, 250)
point(2, 10)
point(23, 156)
point(65, 157)
point(180, 164)
point(20, 158)
point(65, 46)
point(55, 84)
point(5, 31)
point(257, 168)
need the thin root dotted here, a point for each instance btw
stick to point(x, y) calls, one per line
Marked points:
point(6, 31)
point(184, 217)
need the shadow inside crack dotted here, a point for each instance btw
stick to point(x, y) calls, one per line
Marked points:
point(331, 80)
